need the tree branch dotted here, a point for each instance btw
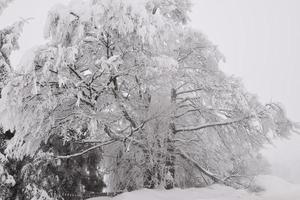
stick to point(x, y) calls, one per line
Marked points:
point(212, 124)
point(87, 150)
point(206, 172)
point(189, 91)
point(75, 72)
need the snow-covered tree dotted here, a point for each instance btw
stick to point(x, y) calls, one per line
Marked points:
point(10, 173)
point(130, 78)
point(8, 43)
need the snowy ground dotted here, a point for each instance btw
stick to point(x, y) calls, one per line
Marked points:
point(275, 189)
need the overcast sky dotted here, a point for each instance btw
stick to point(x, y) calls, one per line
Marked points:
point(260, 39)
point(261, 42)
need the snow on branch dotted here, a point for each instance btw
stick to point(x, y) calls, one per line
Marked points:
point(206, 172)
point(87, 150)
point(189, 91)
point(212, 124)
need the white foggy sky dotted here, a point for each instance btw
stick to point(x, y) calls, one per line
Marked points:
point(261, 42)
point(259, 38)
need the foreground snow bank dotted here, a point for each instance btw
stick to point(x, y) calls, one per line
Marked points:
point(275, 189)
point(215, 192)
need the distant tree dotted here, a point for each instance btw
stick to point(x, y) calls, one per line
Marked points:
point(130, 79)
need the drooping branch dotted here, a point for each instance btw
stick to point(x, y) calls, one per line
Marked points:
point(203, 109)
point(87, 150)
point(213, 124)
point(206, 172)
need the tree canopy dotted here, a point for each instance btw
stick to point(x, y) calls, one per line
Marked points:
point(133, 82)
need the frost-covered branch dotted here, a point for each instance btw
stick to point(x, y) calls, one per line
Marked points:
point(213, 124)
point(193, 51)
point(87, 150)
point(189, 91)
point(206, 172)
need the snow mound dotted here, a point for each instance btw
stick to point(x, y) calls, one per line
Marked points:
point(275, 189)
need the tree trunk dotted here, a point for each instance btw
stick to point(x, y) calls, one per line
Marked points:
point(170, 158)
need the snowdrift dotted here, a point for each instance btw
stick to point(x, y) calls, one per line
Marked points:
point(275, 189)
